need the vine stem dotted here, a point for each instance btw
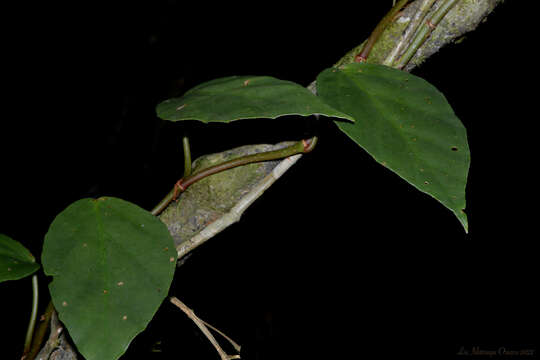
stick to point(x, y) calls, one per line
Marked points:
point(303, 146)
point(423, 33)
point(379, 29)
point(187, 156)
point(409, 32)
point(33, 316)
point(40, 332)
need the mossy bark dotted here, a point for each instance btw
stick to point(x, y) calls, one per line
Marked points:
point(464, 17)
point(211, 198)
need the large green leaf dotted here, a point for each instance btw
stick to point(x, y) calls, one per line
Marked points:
point(112, 264)
point(16, 261)
point(406, 124)
point(244, 97)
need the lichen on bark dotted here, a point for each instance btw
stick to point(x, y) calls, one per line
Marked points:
point(214, 196)
point(464, 17)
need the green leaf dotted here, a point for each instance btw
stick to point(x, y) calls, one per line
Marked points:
point(16, 261)
point(406, 124)
point(244, 97)
point(112, 264)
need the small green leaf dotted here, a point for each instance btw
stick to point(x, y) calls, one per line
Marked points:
point(406, 124)
point(16, 261)
point(112, 264)
point(245, 97)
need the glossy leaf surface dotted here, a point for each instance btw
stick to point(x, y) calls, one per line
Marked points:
point(16, 261)
point(244, 97)
point(406, 124)
point(112, 264)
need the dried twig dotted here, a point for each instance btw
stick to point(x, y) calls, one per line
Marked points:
point(233, 343)
point(204, 328)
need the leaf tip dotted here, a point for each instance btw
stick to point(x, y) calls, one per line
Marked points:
point(462, 217)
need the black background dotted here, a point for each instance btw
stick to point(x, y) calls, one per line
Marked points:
point(341, 257)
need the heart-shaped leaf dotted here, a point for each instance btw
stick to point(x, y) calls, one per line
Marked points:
point(112, 264)
point(245, 97)
point(16, 261)
point(406, 124)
